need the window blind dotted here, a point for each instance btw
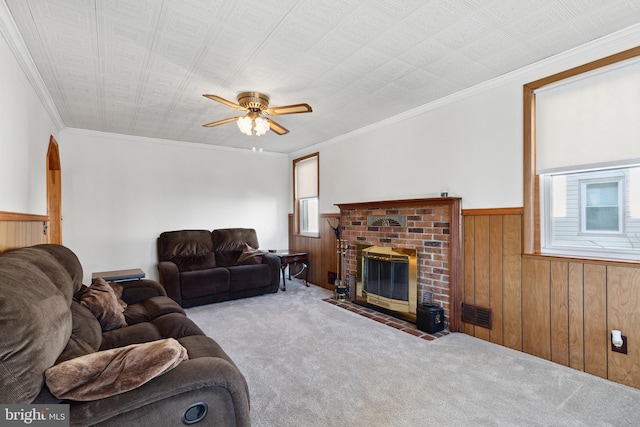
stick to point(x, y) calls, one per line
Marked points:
point(307, 178)
point(589, 121)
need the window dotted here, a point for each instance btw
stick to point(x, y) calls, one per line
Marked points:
point(306, 192)
point(600, 207)
point(592, 213)
point(582, 161)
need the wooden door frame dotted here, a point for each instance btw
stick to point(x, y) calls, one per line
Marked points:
point(54, 192)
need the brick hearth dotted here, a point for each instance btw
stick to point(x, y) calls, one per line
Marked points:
point(385, 319)
point(432, 228)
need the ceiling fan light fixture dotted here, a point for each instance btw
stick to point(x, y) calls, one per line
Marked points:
point(261, 126)
point(248, 124)
point(245, 124)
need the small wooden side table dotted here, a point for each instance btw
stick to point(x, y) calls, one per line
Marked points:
point(287, 258)
point(119, 275)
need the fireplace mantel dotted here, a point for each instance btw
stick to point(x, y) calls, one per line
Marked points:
point(433, 228)
point(386, 204)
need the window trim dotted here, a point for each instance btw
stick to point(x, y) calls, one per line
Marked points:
point(296, 202)
point(531, 219)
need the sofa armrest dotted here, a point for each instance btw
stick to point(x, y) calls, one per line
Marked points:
point(164, 399)
point(273, 261)
point(170, 279)
point(134, 291)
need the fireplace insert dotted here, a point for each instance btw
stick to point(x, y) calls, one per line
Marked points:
point(387, 280)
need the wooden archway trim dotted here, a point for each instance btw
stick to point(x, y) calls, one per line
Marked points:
point(54, 192)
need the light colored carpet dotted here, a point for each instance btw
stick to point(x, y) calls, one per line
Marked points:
point(310, 363)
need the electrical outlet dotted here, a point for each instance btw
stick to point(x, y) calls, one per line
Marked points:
point(622, 349)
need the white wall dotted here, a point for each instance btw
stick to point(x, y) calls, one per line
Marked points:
point(469, 144)
point(448, 148)
point(25, 128)
point(119, 193)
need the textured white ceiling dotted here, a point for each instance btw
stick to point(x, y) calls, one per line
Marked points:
point(140, 67)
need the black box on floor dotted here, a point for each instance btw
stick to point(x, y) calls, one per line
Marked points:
point(430, 319)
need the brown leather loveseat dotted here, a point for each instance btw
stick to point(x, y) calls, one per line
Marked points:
point(56, 349)
point(201, 267)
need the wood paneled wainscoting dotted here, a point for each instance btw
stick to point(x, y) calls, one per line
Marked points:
point(321, 249)
point(559, 309)
point(18, 230)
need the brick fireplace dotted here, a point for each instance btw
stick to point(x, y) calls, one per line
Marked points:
point(430, 226)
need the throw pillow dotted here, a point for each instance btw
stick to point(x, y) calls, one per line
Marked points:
point(110, 372)
point(117, 289)
point(101, 299)
point(250, 256)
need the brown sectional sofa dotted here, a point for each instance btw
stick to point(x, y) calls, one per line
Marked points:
point(201, 267)
point(44, 325)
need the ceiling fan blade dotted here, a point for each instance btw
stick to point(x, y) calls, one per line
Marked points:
point(221, 122)
point(288, 109)
point(225, 102)
point(280, 130)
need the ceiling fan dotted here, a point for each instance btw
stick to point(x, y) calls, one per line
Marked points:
point(255, 104)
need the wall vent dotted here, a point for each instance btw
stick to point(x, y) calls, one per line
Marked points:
point(476, 315)
point(387, 221)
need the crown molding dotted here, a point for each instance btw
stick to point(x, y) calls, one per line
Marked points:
point(16, 43)
point(604, 46)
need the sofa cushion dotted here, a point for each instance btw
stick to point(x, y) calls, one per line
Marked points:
point(134, 291)
point(249, 276)
point(204, 282)
point(110, 372)
point(86, 333)
point(227, 258)
point(184, 243)
point(49, 266)
point(68, 260)
point(85, 325)
point(194, 262)
point(234, 239)
point(35, 319)
point(101, 299)
point(76, 347)
point(133, 334)
point(176, 326)
point(151, 308)
point(172, 325)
